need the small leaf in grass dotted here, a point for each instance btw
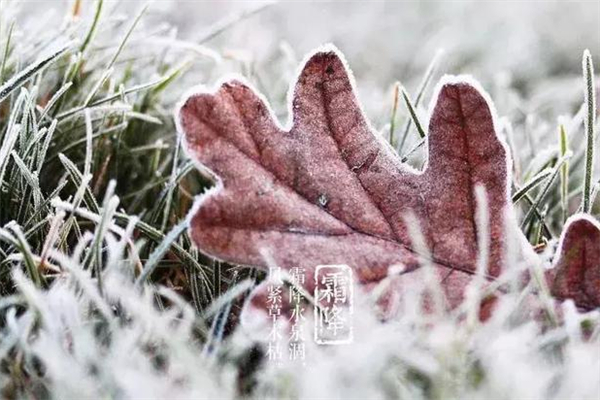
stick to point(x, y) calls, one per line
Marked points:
point(272, 180)
point(576, 273)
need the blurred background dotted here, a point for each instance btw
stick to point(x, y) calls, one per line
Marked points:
point(534, 47)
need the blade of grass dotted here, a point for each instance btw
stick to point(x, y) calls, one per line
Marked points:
point(564, 173)
point(19, 79)
point(126, 37)
point(411, 151)
point(222, 25)
point(394, 111)
point(6, 51)
point(116, 96)
point(94, 256)
point(105, 75)
point(90, 35)
point(89, 149)
point(413, 113)
point(531, 184)
point(54, 99)
point(7, 147)
point(12, 234)
point(483, 245)
point(83, 140)
point(590, 122)
point(171, 186)
point(545, 189)
point(540, 228)
point(160, 252)
point(30, 178)
point(431, 68)
point(77, 179)
point(43, 149)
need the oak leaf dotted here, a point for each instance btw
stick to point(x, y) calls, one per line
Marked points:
point(328, 189)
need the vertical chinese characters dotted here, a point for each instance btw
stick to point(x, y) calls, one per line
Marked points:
point(274, 303)
point(296, 342)
point(333, 314)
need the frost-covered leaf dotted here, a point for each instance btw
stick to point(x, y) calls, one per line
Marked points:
point(330, 190)
point(576, 273)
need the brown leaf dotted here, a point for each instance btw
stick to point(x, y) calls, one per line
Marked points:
point(330, 190)
point(576, 273)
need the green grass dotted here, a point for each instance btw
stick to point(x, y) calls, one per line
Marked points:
point(84, 118)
